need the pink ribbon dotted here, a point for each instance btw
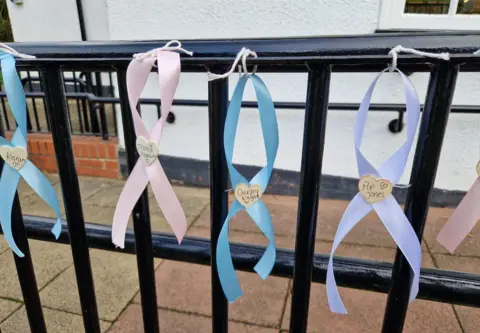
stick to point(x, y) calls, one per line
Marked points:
point(462, 220)
point(168, 75)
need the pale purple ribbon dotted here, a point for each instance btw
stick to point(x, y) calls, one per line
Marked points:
point(462, 220)
point(168, 64)
point(389, 211)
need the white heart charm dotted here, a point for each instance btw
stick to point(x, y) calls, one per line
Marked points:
point(15, 157)
point(374, 189)
point(478, 169)
point(247, 195)
point(147, 149)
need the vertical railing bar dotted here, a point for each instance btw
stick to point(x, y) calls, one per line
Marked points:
point(24, 266)
point(5, 114)
point(29, 120)
point(44, 104)
point(85, 105)
point(62, 139)
point(217, 111)
point(115, 119)
point(93, 117)
point(35, 111)
point(141, 220)
point(66, 100)
point(75, 87)
point(98, 83)
point(438, 101)
point(312, 154)
point(103, 121)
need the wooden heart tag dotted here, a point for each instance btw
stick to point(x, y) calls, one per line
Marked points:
point(15, 157)
point(373, 189)
point(478, 169)
point(247, 195)
point(147, 149)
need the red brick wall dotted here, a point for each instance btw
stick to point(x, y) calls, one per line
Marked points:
point(93, 155)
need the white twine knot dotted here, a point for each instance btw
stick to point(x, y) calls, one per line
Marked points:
point(477, 52)
point(7, 49)
point(242, 55)
point(152, 54)
point(399, 49)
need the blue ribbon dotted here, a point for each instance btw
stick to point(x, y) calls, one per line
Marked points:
point(10, 177)
point(257, 211)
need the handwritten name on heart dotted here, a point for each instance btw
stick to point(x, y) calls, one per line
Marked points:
point(147, 149)
point(15, 157)
point(247, 195)
point(374, 190)
point(478, 169)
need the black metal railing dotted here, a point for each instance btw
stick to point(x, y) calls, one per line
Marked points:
point(317, 56)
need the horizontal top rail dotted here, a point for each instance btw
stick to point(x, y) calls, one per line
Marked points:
point(363, 52)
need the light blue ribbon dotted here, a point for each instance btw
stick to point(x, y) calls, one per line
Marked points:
point(257, 211)
point(10, 177)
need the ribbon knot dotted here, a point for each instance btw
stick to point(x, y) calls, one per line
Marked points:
point(148, 168)
point(15, 154)
point(387, 208)
point(248, 193)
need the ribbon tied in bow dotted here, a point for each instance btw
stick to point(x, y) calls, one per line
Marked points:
point(15, 154)
point(248, 193)
point(375, 188)
point(148, 168)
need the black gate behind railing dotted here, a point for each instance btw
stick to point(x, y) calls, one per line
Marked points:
point(317, 56)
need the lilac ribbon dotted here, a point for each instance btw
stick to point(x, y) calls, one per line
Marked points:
point(388, 210)
point(463, 218)
point(168, 64)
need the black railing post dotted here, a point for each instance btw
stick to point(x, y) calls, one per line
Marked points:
point(141, 220)
point(312, 153)
point(24, 266)
point(217, 113)
point(432, 130)
point(62, 141)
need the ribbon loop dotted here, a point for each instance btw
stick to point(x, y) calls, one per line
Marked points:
point(168, 64)
point(257, 211)
point(10, 176)
point(388, 209)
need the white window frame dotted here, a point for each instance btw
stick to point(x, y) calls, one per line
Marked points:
point(392, 17)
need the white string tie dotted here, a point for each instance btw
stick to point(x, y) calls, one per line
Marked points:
point(7, 49)
point(152, 54)
point(399, 49)
point(477, 52)
point(241, 56)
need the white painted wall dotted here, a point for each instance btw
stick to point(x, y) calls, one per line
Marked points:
point(46, 20)
point(193, 19)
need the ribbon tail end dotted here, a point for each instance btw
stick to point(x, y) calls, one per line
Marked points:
point(57, 229)
point(118, 243)
point(232, 300)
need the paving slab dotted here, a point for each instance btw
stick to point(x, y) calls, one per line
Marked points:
point(468, 316)
point(24, 190)
point(100, 207)
point(437, 217)
point(3, 244)
point(366, 309)
point(365, 314)
point(283, 209)
point(49, 260)
point(56, 322)
point(116, 283)
point(131, 322)
point(7, 307)
point(186, 287)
